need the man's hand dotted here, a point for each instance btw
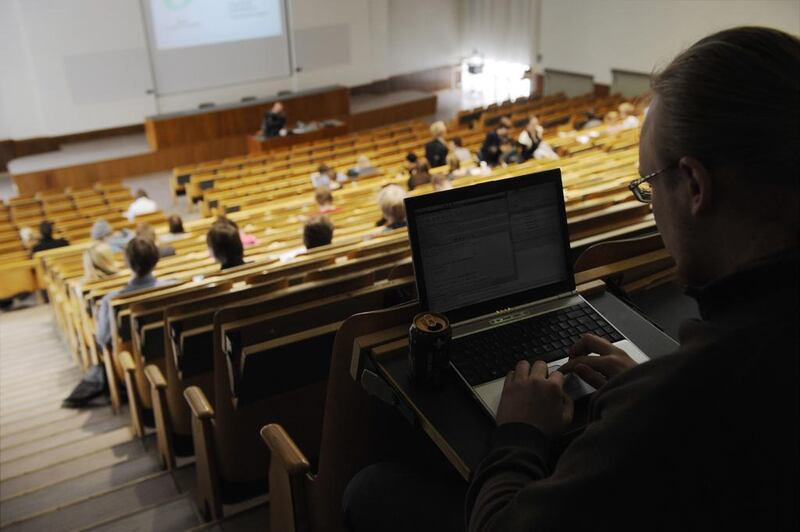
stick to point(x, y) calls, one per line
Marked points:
point(530, 396)
point(596, 370)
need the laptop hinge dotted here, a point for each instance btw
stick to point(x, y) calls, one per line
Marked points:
point(513, 313)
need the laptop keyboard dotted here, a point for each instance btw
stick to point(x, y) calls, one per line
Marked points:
point(491, 354)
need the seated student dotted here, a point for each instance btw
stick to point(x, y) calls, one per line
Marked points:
point(98, 259)
point(436, 150)
point(324, 199)
point(141, 256)
point(317, 231)
point(457, 148)
point(363, 168)
point(325, 176)
point(421, 174)
point(490, 149)
point(225, 244)
point(530, 138)
point(176, 231)
point(141, 205)
point(147, 231)
point(46, 240)
point(703, 438)
point(391, 202)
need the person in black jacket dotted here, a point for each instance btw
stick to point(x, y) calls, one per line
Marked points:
point(274, 121)
point(46, 240)
point(705, 438)
point(436, 150)
point(490, 149)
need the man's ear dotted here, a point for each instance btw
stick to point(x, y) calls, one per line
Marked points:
point(699, 184)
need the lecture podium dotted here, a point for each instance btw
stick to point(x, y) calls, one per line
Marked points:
point(258, 144)
point(450, 416)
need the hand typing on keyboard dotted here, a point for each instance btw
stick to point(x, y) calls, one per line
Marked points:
point(533, 397)
point(596, 370)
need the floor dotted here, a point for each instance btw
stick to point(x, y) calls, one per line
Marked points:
point(67, 470)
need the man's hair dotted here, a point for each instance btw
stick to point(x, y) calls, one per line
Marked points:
point(731, 99)
point(224, 241)
point(411, 157)
point(175, 224)
point(423, 165)
point(317, 231)
point(141, 194)
point(46, 229)
point(323, 169)
point(144, 230)
point(141, 255)
point(323, 196)
point(457, 141)
point(390, 200)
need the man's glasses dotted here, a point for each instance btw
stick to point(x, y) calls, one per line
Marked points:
point(642, 189)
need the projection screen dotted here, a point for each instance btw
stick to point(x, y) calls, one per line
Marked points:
point(200, 44)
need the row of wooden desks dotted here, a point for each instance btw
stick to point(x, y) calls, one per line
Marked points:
point(450, 416)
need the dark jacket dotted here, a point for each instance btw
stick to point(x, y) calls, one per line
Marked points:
point(273, 123)
point(49, 243)
point(490, 149)
point(702, 439)
point(436, 153)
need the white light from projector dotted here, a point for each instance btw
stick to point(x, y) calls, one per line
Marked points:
point(185, 23)
point(496, 80)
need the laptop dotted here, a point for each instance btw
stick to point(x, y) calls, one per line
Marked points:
point(495, 259)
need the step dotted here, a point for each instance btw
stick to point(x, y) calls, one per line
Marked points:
point(177, 514)
point(65, 453)
point(74, 489)
point(62, 419)
point(252, 519)
point(86, 421)
point(59, 440)
point(85, 513)
point(75, 468)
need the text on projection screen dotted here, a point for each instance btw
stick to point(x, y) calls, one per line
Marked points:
point(186, 23)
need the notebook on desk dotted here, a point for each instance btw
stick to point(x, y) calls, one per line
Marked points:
point(495, 259)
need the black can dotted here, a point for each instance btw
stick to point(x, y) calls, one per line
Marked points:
point(428, 348)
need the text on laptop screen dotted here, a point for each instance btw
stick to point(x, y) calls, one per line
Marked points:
point(479, 249)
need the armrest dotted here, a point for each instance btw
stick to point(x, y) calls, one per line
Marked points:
point(284, 449)
point(198, 403)
point(155, 377)
point(126, 361)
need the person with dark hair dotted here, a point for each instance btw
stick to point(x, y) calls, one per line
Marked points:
point(317, 231)
point(490, 149)
point(176, 231)
point(421, 174)
point(46, 240)
point(225, 244)
point(704, 438)
point(141, 256)
point(325, 176)
point(324, 200)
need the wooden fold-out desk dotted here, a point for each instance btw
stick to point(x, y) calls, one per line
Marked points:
point(451, 416)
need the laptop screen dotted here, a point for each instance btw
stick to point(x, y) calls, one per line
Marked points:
point(497, 243)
